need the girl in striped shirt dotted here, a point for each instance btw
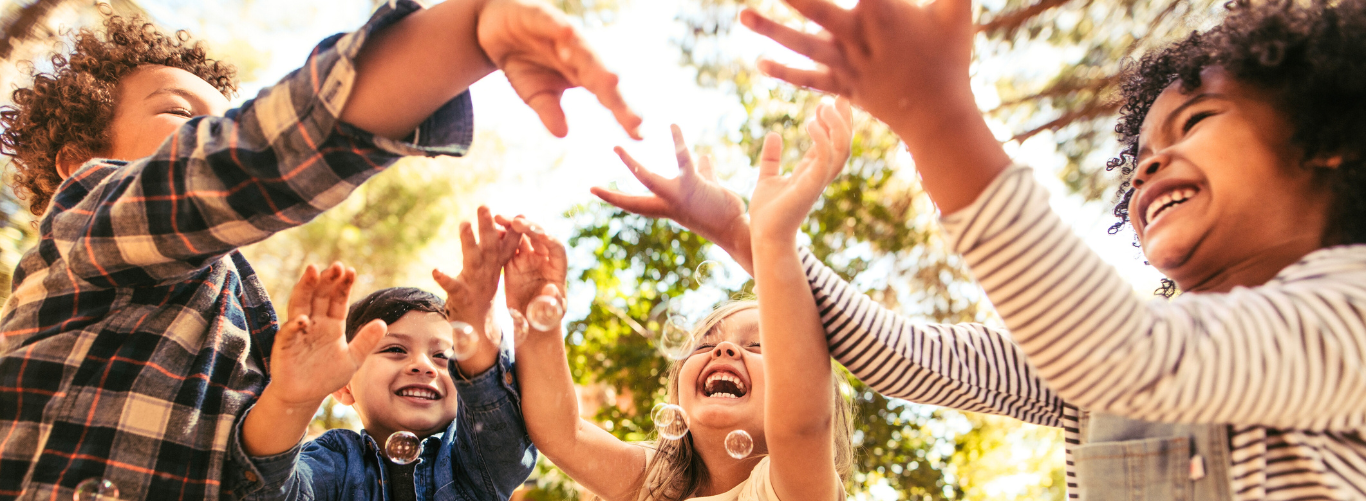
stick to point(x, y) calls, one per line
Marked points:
point(1245, 184)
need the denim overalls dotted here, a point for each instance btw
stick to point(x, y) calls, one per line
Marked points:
point(1128, 460)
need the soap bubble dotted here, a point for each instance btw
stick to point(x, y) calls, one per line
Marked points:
point(520, 326)
point(671, 422)
point(654, 411)
point(464, 340)
point(403, 447)
point(709, 274)
point(544, 313)
point(96, 489)
point(675, 338)
point(739, 444)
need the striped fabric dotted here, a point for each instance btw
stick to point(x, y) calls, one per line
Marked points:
point(1281, 364)
point(137, 333)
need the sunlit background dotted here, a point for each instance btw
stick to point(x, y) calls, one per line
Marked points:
point(1044, 75)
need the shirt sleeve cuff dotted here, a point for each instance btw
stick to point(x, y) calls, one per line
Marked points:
point(491, 388)
point(256, 473)
point(960, 224)
point(448, 131)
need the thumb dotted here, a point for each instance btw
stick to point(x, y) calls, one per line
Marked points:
point(366, 339)
point(771, 156)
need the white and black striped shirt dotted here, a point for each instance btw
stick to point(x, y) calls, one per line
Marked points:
point(1282, 364)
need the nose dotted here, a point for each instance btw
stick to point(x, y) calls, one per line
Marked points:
point(422, 365)
point(726, 349)
point(1150, 166)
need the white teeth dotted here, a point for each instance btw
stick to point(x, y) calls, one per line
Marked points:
point(724, 376)
point(1168, 200)
point(722, 395)
point(419, 393)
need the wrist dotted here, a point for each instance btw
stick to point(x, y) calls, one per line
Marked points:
point(272, 399)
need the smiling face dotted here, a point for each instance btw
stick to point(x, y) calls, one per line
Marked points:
point(1221, 196)
point(721, 385)
point(153, 101)
point(405, 384)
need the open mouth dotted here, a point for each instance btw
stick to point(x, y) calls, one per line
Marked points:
point(724, 384)
point(419, 392)
point(1166, 201)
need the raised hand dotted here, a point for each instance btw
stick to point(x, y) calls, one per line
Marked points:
point(542, 56)
point(781, 202)
point(469, 296)
point(311, 357)
point(540, 261)
point(694, 199)
point(905, 62)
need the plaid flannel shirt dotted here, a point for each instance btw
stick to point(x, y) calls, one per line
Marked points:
point(137, 334)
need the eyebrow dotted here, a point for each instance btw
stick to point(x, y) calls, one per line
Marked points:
point(173, 90)
point(1143, 150)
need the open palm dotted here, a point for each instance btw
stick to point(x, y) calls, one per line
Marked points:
point(311, 357)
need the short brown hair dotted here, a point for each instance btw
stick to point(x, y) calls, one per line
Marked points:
point(66, 113)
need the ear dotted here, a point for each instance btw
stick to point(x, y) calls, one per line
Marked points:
point(344, 396)
point(69, 160)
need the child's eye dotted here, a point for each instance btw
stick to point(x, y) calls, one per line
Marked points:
point(1194, 119)
point(394, 349)
point(704, 347)
point(181, 112)
point(440, 354)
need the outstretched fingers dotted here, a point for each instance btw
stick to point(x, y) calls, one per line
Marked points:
point(301, 297)
point(819, 47)
point(685, 165)
point(645, 205)
point(653, 182)
point(585, 69)
point(770, 158)
point(821, 79)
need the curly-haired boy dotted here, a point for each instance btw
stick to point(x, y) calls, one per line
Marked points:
point(137, 334)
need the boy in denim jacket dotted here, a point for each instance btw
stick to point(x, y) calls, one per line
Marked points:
point(137, 334)
point(396, 364)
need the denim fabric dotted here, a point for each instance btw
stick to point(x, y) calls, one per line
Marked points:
point(483, 455)
point(1130, 460)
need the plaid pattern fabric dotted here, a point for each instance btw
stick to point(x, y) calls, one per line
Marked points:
point(136, 333)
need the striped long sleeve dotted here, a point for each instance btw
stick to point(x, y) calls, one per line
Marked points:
point(968, 367)
point(1287, 354)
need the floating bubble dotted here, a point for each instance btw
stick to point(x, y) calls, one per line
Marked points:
point(403, 447)
point(675, 338)
point(709, 274)
point(520, 326)
point(464, 341)
point(671, 422)
point(739, 444)
point(654, 411)
point(544, 313)
point(96, 489)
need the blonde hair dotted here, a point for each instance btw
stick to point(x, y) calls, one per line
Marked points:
point(675, 472)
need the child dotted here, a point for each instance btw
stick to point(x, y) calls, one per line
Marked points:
point(137, 334)
point(398, 344)
point(1244, 149)
point(752, 369)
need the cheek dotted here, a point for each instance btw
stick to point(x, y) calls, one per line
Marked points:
point(132, 141)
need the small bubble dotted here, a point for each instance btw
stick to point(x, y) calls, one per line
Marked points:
point(403, 447)
point(464, 340)
point(671, 422)
point(739, 444)
point(675, 338)
point(654, 411)
point(96, 489)
point(520, 326)
point(544, 313)
point(709, 274)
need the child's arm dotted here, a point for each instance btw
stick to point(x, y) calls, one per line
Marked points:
point(469, 296)
point(590, 455)
point(798, 415)
point(310, 359)
point(411, 69)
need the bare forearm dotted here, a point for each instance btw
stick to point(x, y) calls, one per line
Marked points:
point(274, 426)
point(797, 360)
point(955, 152)
point(486, 354)
point(407, 71)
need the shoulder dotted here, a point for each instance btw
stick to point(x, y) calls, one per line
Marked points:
point(82, 182)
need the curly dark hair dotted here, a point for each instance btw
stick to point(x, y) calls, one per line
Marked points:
point(390, 305)
point(66, 113)
point(1310, 56)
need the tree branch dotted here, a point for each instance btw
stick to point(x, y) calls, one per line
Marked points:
point(20, 28)
point(1012, 20)
point(1092, 109)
